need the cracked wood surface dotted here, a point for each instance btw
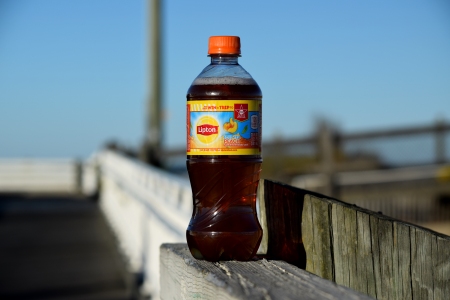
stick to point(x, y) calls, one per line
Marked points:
point(374, 254)
point(184, 277)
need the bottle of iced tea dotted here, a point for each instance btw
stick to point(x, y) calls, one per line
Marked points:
point(224, 156)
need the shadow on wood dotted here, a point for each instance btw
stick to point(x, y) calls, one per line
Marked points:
point(281, 214)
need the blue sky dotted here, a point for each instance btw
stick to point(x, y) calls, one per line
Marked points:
point(73, 74)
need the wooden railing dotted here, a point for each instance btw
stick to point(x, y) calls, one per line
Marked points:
point(305, 233)
point(370, 253)
point(354, 247)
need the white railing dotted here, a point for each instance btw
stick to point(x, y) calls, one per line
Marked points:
point(145, 207)
point(40, 175)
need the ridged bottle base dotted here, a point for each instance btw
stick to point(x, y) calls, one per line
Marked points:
point(215, 246)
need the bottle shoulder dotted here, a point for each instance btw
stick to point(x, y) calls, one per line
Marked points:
point(224, 70)
point(224, 82)
point(224, 91)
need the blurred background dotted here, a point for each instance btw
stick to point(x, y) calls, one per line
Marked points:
point(356, 94)
point(75, 74)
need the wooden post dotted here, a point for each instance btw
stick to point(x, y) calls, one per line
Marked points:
point(78, 176)
point(151, 150)
point(326, 146)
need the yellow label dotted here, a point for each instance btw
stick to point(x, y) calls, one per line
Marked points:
point(223, 127)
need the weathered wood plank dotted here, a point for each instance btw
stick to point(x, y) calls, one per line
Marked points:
point(314, 260)
point(364, 250)
point(395, 264)
point(441, 267)
point(385, 242)
point(283, 209)
point(374, 237)
point(282, 212)
point(402, 261)
point(345, 245)
point(375, 254)
point(183, 277)
point(421, 267)
point(340, 255)
point(365, 273)
point(316, 212)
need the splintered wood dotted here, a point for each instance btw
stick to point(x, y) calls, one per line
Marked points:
point(374, 254)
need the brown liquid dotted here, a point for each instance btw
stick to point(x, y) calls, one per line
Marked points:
point(224, 224)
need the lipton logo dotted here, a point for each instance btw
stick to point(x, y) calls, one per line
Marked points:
point(241, 111)
point(207, 129)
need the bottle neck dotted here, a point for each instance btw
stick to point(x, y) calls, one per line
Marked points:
point(220, 59)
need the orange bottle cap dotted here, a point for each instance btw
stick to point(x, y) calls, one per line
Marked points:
point(224, 45)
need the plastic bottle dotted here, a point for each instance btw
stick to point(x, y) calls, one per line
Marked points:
point(224, 156)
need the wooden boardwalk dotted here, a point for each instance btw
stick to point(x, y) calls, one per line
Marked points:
point(58, 247)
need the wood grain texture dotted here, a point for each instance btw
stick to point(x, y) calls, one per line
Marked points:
point(283, 210)
point(374, 254)
point(283, 207)
point(441, 267)
point(402, 264)
point(421, 264)
point(320, 262)
point(364, 254)
point(183, 277)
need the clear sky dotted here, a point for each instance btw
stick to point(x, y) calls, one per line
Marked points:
point(73, 74)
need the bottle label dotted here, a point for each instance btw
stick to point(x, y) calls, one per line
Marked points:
point(224, 127)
